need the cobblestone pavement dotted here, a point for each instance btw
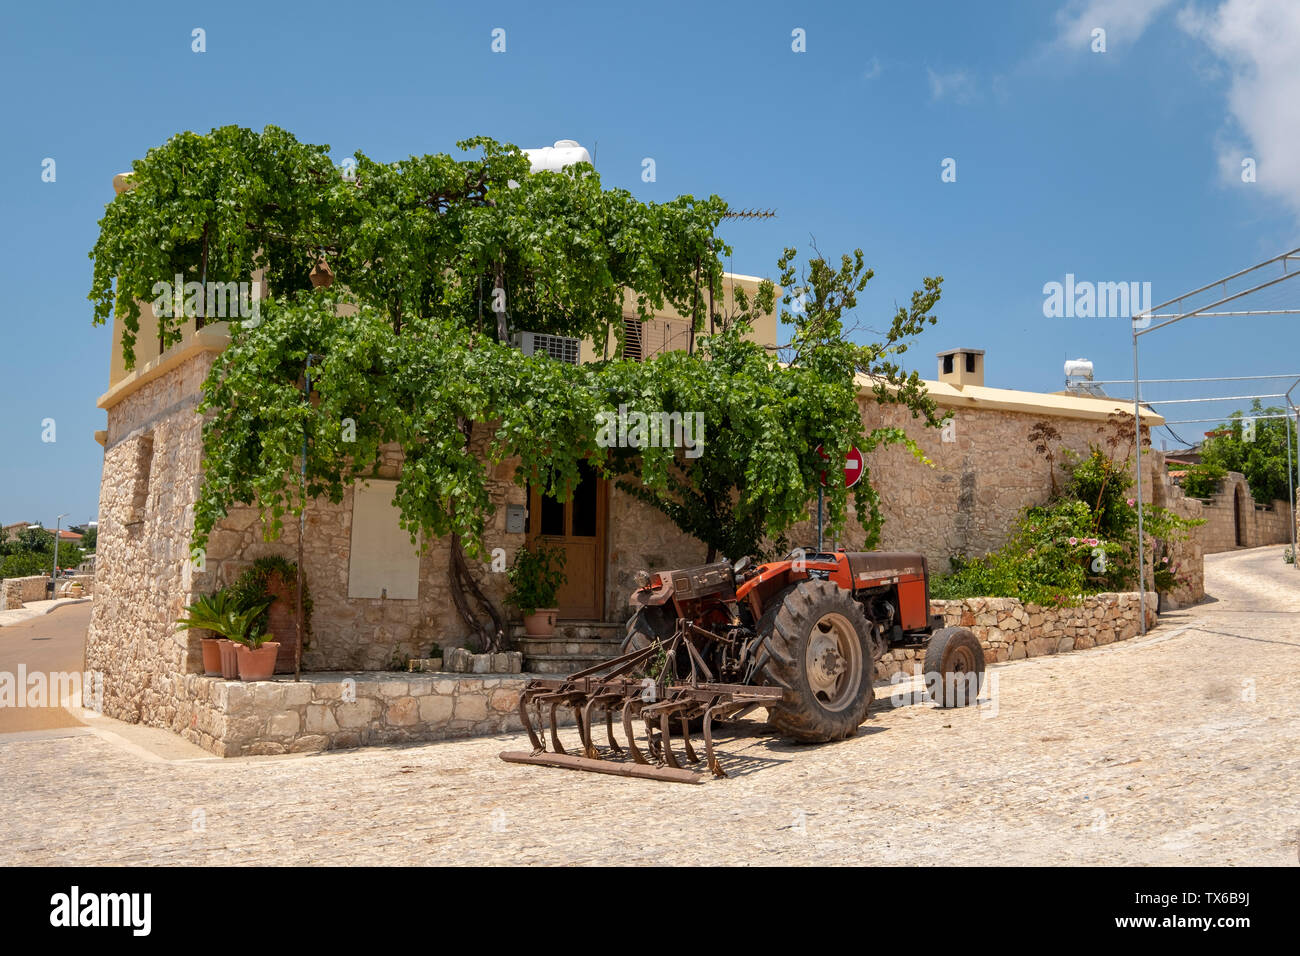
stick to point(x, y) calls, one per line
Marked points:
point(1178, 748)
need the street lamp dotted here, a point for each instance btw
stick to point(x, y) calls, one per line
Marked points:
point(54, 569)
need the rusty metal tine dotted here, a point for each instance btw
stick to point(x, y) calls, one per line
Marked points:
point(669, 757)
point(541, 721)
point(609, 728)
point(538, 746)
point(583, 738)
point(555, 735)
point(589, 745)
point(652, 737)
point(627, 729)
point(686, 739)
point(709, 755)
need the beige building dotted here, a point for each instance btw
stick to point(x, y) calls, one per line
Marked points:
point(379, 602)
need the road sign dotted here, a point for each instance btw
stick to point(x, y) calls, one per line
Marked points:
point(853, 466)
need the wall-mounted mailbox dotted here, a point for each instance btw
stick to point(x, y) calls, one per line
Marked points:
point(516, 519)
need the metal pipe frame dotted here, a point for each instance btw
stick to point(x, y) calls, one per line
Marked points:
point(1224, 398)
point(1254, 418)
point(1141, 325)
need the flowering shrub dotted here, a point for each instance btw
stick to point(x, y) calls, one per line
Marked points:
point(1082, 542)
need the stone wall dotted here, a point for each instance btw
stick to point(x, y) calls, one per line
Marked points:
point(144, 577)
point(1233, 519)
point(641, 538)
point(335, 711)
point(363, 633)
point(966, 500)
point(15, 592)
point(1009, 630)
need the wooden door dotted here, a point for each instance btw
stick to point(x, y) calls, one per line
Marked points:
point(578, 527)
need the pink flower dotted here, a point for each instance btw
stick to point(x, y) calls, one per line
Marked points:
point(1092, 542)
point(1074, 541)
point(1164, 560)
point(1130, 502)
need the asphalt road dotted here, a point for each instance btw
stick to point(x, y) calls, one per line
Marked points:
point(53, 643)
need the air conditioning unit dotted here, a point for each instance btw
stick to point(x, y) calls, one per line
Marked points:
point(562, 348)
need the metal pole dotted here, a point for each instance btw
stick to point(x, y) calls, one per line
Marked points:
point(302, 526)
point(54, 568)
point(820, 492)
point(1141, 547)
point(1290, 481)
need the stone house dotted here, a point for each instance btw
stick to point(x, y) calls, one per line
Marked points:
point(379, 602)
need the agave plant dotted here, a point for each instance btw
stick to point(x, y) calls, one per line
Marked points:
point(224, 614)
point(242, 625)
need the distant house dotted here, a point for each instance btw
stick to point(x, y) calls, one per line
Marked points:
point(10, 531)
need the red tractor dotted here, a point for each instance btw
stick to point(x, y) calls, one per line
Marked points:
point(799, 637)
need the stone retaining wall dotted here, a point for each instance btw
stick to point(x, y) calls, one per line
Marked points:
point(1234, 520)
point(18, 591)
point(335, 711)
point(1010, 630)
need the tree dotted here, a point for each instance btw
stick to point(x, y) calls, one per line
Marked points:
point(1254, 446)
point(435, 259)
point(767, 417)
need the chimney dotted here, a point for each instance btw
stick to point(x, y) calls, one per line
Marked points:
point(962, 367)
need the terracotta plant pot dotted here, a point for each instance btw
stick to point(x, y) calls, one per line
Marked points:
point(541, 623)
point(282, 620)
point(257, 664)
point(229, 659)
point(212, 656)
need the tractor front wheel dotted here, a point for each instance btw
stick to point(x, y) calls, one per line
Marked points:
point(815, 644)
point(954, 667)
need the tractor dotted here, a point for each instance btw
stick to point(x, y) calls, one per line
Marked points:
point(799, 637)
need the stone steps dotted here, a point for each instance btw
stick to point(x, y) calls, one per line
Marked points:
point(573, 646)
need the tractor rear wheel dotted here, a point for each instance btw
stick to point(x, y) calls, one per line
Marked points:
point(647, 625)
point(815, 644)
point(954, 667)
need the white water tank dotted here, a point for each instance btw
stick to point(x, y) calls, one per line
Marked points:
point(565, 152)
point(1078, 368)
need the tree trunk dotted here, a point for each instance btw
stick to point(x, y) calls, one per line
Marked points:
point(464, 589)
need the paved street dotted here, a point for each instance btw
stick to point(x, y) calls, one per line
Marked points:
point(48, 643)
point(1177, 748)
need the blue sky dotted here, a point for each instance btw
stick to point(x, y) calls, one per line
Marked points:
point(1114, 166)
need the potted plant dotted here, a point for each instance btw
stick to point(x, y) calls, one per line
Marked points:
point(212, 612)
point(535, 577)
point(276, 578)
point(255, 651)
point(234, 623)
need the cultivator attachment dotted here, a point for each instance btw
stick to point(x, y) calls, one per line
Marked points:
point(611, 689)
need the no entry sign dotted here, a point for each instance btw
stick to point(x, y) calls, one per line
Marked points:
point(853, 466)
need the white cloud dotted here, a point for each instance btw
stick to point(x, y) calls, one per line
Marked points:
point(1259, 42)
point(958, 86)
point(873, 70)
point(1123, 20)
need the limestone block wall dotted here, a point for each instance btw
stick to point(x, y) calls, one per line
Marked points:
point(966, 501)
point(964, 504)
point(364, 633)
point(1009, 630)
point(1234, 519)
point(144, 577)
point(335, 711)
point(641, 537)
point(15, 592)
